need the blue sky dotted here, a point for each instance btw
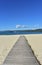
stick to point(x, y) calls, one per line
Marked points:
point(20, 14)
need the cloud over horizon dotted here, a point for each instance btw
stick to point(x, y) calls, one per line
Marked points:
point(37, 26)
point(21, 26)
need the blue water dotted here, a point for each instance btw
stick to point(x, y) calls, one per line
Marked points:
point(18, 32)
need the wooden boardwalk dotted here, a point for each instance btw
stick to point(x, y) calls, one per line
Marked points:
point(21, 54)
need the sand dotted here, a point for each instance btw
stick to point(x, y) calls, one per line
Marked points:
point(21, 54)
point(6, 43)
point(35, 41)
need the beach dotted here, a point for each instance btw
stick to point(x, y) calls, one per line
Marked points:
point(35, 41)
point(21, 54)
point(6, 43)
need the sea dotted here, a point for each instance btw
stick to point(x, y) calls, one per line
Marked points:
point(17, 32)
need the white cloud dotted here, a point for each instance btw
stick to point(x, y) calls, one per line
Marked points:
point(24, 26)
point(18, 26)
point(21, 26)
point(36, 25)
point(28, 27)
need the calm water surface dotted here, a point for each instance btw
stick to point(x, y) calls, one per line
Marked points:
point(15, 33)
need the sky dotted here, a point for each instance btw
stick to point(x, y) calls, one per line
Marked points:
point(20, 14)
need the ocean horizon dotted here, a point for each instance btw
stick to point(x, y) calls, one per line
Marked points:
point(18, 32)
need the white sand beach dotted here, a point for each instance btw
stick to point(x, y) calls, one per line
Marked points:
point(6, 43)
point(35, 41)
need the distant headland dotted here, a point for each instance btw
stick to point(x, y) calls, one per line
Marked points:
point(14, 32)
